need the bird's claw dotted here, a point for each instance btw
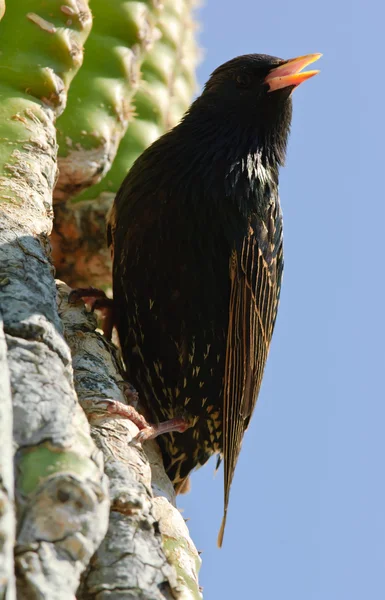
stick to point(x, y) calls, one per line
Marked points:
point(96, 299)
point(148, 433)
point(119, 410)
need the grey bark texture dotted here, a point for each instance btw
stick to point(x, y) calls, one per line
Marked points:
point(61, 492)
point(7, 516)
point(147, 552)
point(85, 512)
point(62, 502)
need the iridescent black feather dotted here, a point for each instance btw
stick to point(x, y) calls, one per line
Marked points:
point(196, 231)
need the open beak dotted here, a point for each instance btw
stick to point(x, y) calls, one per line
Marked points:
point(288, 73)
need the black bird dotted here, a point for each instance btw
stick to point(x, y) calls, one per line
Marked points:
point(196, 232)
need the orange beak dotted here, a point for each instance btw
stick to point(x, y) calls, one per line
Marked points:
point(288, 73)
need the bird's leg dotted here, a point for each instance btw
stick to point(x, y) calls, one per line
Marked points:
point(147, 431)
point(97, 300)
point(150, 432)
point(89, 295)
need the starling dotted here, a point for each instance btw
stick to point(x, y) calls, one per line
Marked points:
point(196, 235)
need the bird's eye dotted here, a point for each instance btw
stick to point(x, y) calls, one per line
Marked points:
point(243, 80)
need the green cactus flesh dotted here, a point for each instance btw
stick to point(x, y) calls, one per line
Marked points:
point(168, 82)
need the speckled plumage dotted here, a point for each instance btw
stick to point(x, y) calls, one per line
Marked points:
point(196, 231)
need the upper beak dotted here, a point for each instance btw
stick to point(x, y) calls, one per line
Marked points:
point(288, 74)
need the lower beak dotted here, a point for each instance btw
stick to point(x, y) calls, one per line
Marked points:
point(288, 73)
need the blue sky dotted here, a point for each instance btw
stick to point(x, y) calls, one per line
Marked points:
point(307, 510)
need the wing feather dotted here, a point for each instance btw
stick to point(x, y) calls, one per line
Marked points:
point(256, 266)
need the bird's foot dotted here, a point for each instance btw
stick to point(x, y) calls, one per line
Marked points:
point(117, 409)
point(97, 300)
point(147, 431)
point(150, 432)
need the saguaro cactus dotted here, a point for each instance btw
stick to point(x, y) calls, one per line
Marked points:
point(57, 469)
point(165, 92)
point(99, 103)
point(66, 486)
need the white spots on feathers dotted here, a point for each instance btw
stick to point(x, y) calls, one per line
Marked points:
point(191, 356)
point(255, 169)
point(158, 370)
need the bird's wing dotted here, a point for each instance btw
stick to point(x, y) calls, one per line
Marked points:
point(256, 266)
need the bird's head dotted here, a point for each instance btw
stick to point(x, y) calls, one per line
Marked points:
point(253, 93)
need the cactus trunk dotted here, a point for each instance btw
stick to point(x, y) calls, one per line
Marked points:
point(165, 92)
point(54, 498)
point(56, 464)
point(99, 104)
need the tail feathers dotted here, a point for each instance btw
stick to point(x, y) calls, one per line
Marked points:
point(183, 486)
point(222, 529)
